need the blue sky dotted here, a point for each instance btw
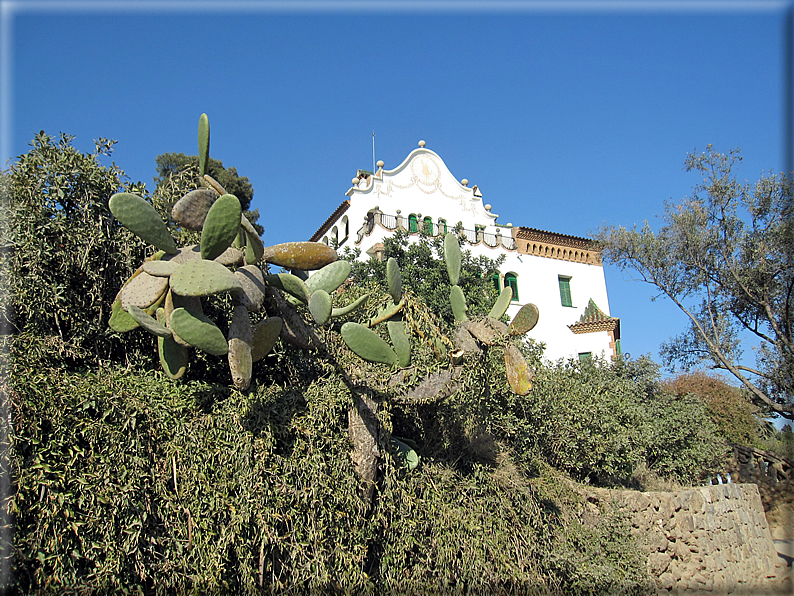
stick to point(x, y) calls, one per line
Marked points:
point(567, 115)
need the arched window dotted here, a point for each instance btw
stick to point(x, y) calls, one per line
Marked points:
point(413, 224)
point(511, 279)
point(345, 227)
point(427, 226)
point(442, 226)
point(325, 240)
point(335, 236)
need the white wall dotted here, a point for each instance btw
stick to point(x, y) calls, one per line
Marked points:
point(422, 184)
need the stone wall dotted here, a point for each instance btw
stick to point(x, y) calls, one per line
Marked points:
point(705, 539)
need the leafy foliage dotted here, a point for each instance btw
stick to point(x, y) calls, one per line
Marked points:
point(424, 272)
point(134, 483)
point(600, 421)
point(724, 257)
point(63, 251)
point(735, 416)
point(170, 165)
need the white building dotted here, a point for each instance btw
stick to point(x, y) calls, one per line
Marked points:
point(562, 275)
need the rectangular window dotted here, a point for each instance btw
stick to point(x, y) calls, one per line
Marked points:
point(585, 356)
point(617, 347)
point(512, 281)
point(565, 290)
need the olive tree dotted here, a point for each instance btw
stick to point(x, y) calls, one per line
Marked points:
point(724, 256)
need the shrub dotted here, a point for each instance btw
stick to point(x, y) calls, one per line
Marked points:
point(734, 415)
point(599, 421)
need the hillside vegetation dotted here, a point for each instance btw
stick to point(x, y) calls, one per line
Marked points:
point(125, 481)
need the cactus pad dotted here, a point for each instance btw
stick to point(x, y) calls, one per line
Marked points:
point(501, 304)
point(518, 374)
point(252, 280)
point(367, 344)
point(320, 306)
point(203, 278)
point(203, 143)
point(189, 303)
point(394, 279)
point(458, 302)
point(452, 257)
point(210, 182)
point(400, 341)
point(140, 218)
point(148, 322)
point(120, 320)
point(173, 357)
point(484, 332)
point(160, 268)
point(221, 226)
point(525, 320)
point(300, 255)
point(292, 285)
point(240, 339)
point(191, 210)
point(199, 331)
point(329, 277)
point(143, 290)
point(345, 310)
point(254, 249)
point(265, 334)
point(405, 453)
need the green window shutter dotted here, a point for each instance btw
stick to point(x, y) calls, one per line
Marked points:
point(428, 226)
point(585, 356)
point(618, 350)
point(495, 280)
point(565, 290)
point(512, 281)
point(442, 224)
point(413, 225)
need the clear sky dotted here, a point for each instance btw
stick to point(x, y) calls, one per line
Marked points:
point(567, 115)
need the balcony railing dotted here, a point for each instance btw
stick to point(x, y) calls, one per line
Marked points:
point(394, 222)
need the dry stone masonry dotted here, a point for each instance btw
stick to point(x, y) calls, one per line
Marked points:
point(706, 539)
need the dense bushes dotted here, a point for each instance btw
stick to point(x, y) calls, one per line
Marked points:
point(600, 421)
point(127, 481)
point(733, 413)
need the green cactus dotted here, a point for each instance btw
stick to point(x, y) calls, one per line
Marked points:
point(291, 284)
point(405, 451)
point(353, 306)
point(367, 344)
point(203, 143)
point(148, 322)
point(330, 277)
point(525, 320)
point(458, 302)
point(400, 341)
point(320, 306)
point(240, 341)
point(120, 320)
point(143, 290)
point(254, 249)
point(191, 210)
point(500, 307)
point(252, 281)
point(452, 257)
point(308, 256)
point(160, 268)
point(394, 280)
point(203, 278)
point(221, 226)
point(519, 376)
point(199, 331)
point(140, 218)
point(265, 334)
point(173, 356)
